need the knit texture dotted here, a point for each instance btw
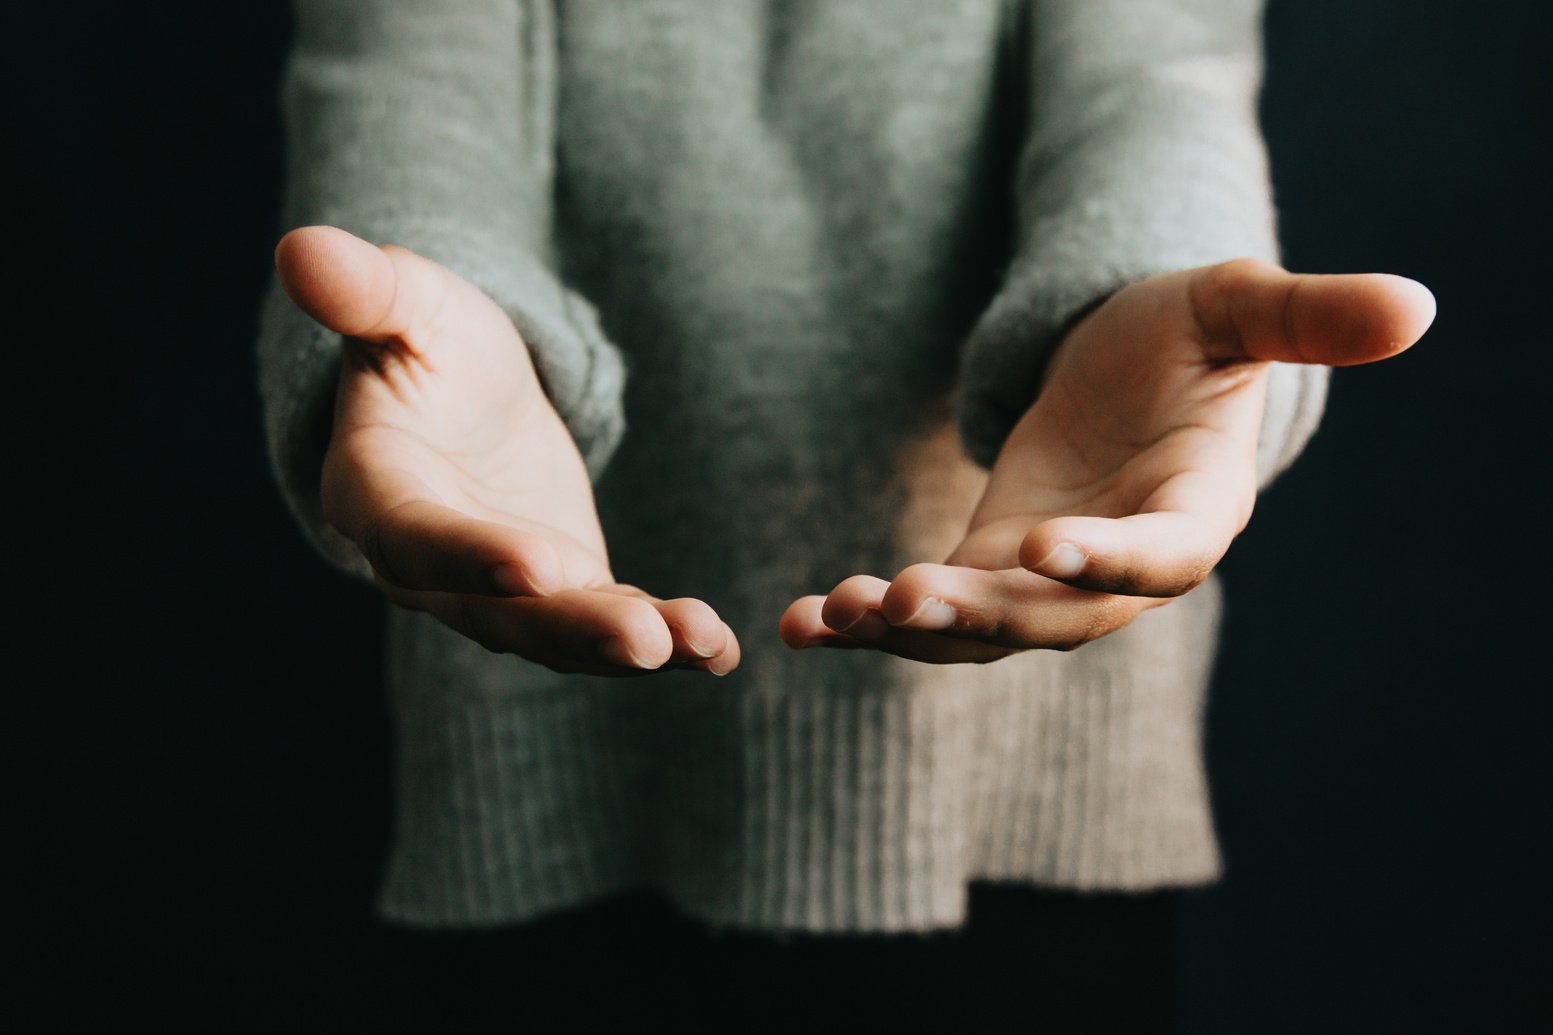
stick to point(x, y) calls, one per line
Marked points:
point(789, 272)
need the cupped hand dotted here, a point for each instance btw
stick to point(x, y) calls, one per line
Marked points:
point(1124, 484)
point(452, 472)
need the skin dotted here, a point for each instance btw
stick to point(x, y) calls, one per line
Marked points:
point(453, 474)
point(1118, 490)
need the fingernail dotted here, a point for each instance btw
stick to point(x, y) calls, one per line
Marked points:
point(932, 614)
point(616, 650)
point(720, 667)
point(1064, 562)
point(870, 625)
point(697, 649)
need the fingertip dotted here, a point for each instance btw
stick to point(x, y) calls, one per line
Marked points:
point(1414, 308)
point(933, 614)
point(340, 280)
point(1055, 550)
point(632, 651)
point(791, 626)
point(1352, 319)
point(618, 650)
point(306, 246)
point(706, 635)
point(1064, 561)
point(546, 572)
point(833, 616)
point(538, 575)
point(291, 261)
point(650, 641)
point(791, 640)
point(902, 597)
point(728, 658)
point(707, 649)
point(841, 605)
point(292, 240)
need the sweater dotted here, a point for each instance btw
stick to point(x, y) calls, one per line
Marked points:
point(789, 273)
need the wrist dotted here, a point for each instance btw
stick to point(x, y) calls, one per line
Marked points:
point(1070, 330)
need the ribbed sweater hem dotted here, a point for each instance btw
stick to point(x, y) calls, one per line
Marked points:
point(825, 810)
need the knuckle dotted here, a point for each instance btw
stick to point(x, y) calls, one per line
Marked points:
point(1129, 577)
point(1210, 292)
point(1232, 274)
point(1036, 546)
point(1194, 576)
point(1014, 630)
point(1001, 629)
point(1220, 279)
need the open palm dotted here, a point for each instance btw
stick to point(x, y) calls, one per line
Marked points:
point(1126, 481)
point(454, 475)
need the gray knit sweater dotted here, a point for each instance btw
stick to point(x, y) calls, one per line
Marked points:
point(789, 272)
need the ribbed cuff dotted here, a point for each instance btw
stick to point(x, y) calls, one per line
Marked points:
point(1004, 359)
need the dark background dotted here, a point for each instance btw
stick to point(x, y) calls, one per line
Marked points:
point(202, 751)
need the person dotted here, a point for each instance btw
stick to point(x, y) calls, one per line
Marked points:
point(907, 366)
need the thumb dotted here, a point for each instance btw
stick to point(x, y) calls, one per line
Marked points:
point(356, 288)
point(1250, 309)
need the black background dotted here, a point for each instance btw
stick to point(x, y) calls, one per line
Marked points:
point(202, 750)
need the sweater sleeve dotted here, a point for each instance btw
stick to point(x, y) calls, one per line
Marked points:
point(1141, 155)
point(427, 124)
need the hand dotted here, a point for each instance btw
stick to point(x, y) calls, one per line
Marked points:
point(451, 471)
point(1124, 484)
